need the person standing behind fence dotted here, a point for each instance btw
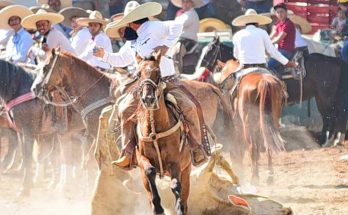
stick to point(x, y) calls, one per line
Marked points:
point(284, 34)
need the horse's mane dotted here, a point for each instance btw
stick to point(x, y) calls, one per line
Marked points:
point(82, 65)
point(15, 81)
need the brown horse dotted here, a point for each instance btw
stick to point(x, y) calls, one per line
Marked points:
point(161, 148)
point(258, 102)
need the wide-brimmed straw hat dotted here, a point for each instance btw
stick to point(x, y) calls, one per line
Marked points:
point(12, 10)
point(297, 20)
point(47, 8)
point(30, 21)
point(71, 12)
point(196, 3)
point(94, 16)
point(5, 3)
point(113, 32)
point(212, 24)
point(251, 16)
point(136, 13)
point(63, 3)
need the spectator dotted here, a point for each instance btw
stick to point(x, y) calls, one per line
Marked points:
point(339, 21)
point(283, 34)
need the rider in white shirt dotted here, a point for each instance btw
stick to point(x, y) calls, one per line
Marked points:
point(95, 24)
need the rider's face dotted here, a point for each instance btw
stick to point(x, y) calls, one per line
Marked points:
point(94, 28)
point(43, 26)
point(14, 22)
point(187, 4)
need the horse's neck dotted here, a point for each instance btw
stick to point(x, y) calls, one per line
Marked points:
point(14, 82)
point(89, 85)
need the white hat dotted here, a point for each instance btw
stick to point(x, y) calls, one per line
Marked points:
point(70, 12)
point(251, 16)
point(196, 3)
point(63, 3)
point(133, 13)
point(12, 10)
point(94, 16)
point(30, 21)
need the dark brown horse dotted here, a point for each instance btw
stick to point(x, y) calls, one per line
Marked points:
point(28, 116)
point(161, 147)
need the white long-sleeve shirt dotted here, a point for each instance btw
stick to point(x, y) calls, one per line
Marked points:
point(56, 39)
point(151, 34)
point(79, 42)
point(101, 40)
point(251, 45)
point(18, 46)
point(124, 57)
point(190, 22)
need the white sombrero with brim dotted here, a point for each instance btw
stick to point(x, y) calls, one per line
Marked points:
point(298, 20)
point(112, 32)
point(71, 12)
point(196, 3)
point(13, 10)
point(63, 3)
point(94, 16)
point(251, 16)
point(138, 12)
point(30, 21)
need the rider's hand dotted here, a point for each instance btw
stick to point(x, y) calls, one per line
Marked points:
point(98, 52)
point(161, 50)
point(291, 64)
point(45, 47)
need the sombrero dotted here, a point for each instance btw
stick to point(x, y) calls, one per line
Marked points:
point(70, 12)
point(29, 22)
point(113, 32)
point(94, 16)
point(63, 3)
point(212, 24)
point(251, 16)
point(298, 20)
point(12, 10)
point(138, 12)
point(196, 3)
point(47, 8)
point(5, 3)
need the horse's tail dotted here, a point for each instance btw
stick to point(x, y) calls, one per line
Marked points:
point(226, 106)
point(271, 95)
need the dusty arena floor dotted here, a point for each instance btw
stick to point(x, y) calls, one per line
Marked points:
point(312, 181)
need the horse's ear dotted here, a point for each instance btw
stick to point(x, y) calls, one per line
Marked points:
point(55, 51)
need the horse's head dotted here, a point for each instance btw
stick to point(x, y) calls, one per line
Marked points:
point(48, 76)
point(210, 54)
point(150, 85)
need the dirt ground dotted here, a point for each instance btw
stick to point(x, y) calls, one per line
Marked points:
point(309, 179)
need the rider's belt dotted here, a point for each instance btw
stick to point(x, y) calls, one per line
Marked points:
point(262, 65)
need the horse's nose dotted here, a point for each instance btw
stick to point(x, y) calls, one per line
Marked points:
point(148, 100)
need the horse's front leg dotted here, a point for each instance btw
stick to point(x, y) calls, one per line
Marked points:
point(149, 179)
point(28, 143)
point(185, 191)
point(270, 179)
